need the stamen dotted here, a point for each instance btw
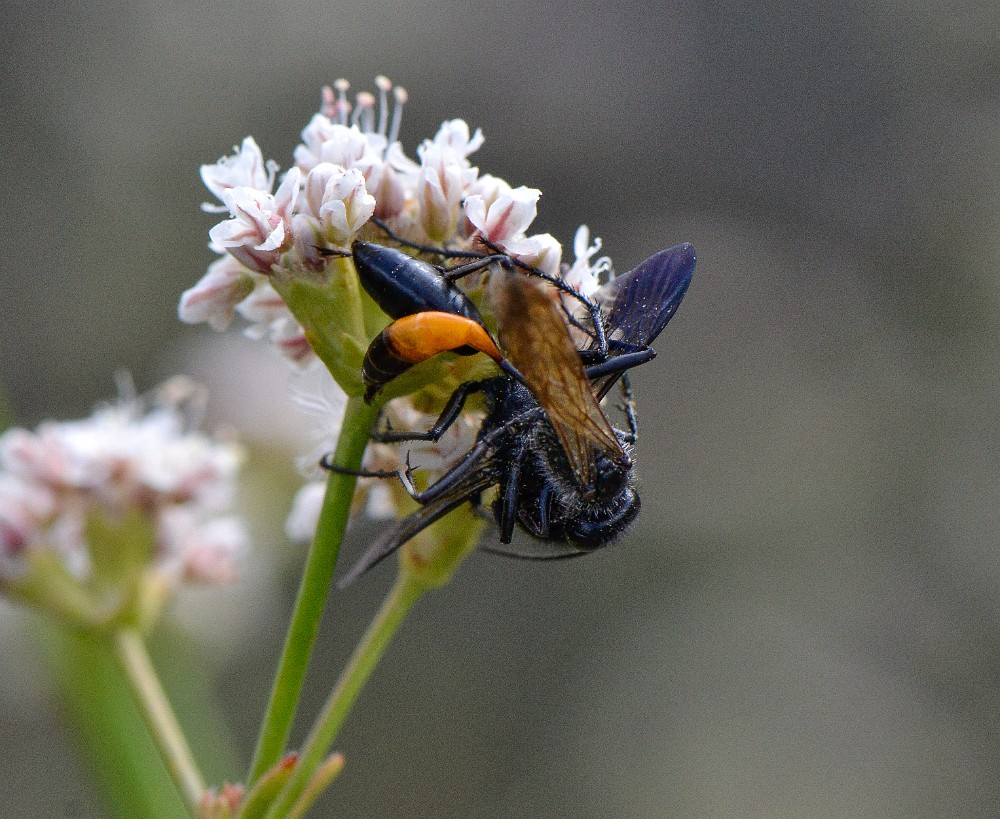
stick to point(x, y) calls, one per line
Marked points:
point(384, 85)
point(327, 102)
point(364, 112)
point(400, 97)
point(343, 106)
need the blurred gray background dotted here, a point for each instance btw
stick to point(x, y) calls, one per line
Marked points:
point(806, 618)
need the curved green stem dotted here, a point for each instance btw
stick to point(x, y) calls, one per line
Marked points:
point(156, 710)
point(358, 421)
point(406, 591)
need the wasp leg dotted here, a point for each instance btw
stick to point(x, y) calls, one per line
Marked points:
point(628, 407)
point(544, 509)
point(621, 363)
point(448, 417)
point(327, 463)
point(574, 322)
point(467, 464)
point(593, 356)
point(508, 508)
point(435, 251)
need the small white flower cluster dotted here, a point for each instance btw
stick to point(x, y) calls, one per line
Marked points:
point(349, 167)
point(135, 456)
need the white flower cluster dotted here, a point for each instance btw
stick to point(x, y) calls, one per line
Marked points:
point(349, 167)
point(131, 457)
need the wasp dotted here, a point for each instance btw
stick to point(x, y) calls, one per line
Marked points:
point(562, 472)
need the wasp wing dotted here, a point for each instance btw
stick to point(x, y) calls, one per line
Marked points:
point(538, 550)
point(536, 339)
point(468, 487)
point(637, 305)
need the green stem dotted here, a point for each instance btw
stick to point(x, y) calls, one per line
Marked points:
point(406, 591)
point(114, 737)
point(359, 419)
point(159, 716)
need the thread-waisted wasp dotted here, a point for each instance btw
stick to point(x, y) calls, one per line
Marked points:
point(562, 472)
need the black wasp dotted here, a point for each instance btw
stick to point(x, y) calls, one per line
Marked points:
point(562, 472)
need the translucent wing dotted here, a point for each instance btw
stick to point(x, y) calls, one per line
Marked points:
point(474, 483)
point(637, 305)
point(536, 339)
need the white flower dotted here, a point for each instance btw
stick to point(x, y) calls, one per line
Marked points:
point(326, 141)
point(300, 525)
point(489, 188)
point(198, 550)
point(392, 182)
point(263, 307)
point(442, 184)
point(454, 134)
point(320, 398)
point(585, 275)
point(245, 169)
point(291, 341)
point(338, 202)
point(541, 250)
point(507, 217)
point(214, 298)
point(24, 509)
point(260, 221)
point(271, 319)
point(381, 505)
point(367, 145)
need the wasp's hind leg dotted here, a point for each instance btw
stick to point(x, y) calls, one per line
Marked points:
point(448, 417)
point(628, 407)
point(429, 249)
point(326, 462)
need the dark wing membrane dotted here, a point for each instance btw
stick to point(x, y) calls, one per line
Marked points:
point(536, 339)
point(637, 305)
point(402, 530)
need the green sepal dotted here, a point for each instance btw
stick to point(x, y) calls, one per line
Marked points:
point(434, 555)
point(331, 314)
point(433, 381)
point(321, 780)
point(267, 788)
